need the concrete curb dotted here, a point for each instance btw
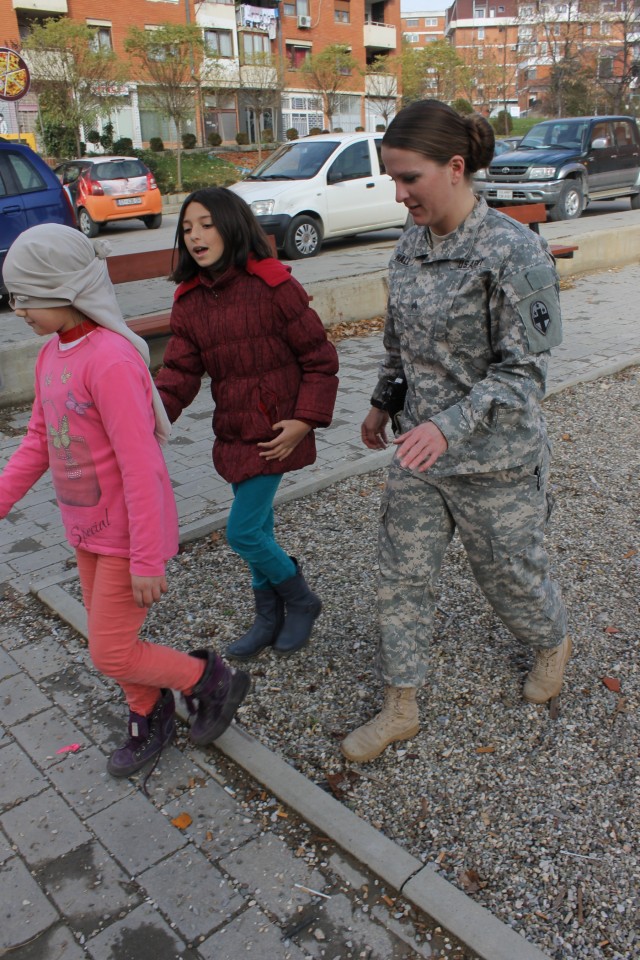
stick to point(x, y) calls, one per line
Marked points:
point(471, 924)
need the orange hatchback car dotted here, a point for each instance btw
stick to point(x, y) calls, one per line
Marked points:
point(104, 189)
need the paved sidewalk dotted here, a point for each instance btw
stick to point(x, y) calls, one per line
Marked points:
point(91, 867)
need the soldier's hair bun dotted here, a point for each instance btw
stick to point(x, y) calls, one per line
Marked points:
point(481, 142)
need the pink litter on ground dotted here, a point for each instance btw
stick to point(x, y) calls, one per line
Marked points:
point(71, 748)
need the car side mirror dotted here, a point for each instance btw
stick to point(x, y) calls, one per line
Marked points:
point(600, 143)
point(334, 176)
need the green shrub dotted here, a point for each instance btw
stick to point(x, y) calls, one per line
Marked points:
point(242, 139)
point(462, 106)
point(502, 123)
point(123, 145)
point(338, 130)
point(93, 137)
point(267, 136)
point(292, 134)
point(380, 128)
point(156, 144)
point(106, 137)
point(214, 139)
point(359, 129)
point(314, 132)
point(189, 141)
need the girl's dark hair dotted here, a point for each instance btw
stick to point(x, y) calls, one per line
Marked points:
point(240, 232)
point(439, 132)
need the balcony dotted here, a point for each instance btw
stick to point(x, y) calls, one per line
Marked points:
point(41, 6)
point(379, 36)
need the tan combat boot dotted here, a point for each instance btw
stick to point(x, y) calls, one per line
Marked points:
point(398, 720)
point(545, 678)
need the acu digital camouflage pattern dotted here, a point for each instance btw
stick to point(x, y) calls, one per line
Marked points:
point(470, 323)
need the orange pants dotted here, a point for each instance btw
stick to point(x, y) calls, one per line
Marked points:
point(141, 668)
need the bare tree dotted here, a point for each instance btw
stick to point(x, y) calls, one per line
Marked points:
point(171, 63)
point(261, 85)
point(328, 73)
point(381, 87)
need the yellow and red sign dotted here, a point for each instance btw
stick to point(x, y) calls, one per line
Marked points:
point(14, 75)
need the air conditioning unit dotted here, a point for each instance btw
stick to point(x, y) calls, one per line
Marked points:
point(304, 23)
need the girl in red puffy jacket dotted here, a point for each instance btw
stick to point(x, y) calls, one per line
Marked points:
point(239, 316)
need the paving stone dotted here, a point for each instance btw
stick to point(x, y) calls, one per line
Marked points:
point(24, 910)
point(192, 893)
point(252, 936)
point(43, 735)
point(8, 665)
point(218, 825)
point(56, 943)
point(20, 698)
point(89, 888)
point(5, 848)
point(137, 834)
point(42, 659)
point(83, 781)
point(141, 935)
point(267, 867)
point(20, 779)
point(43, 828)
point(175, 775)
point(341, 923)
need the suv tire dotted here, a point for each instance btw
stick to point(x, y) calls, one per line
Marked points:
point(303, 238)
point(87, 224)
point(570, 203)
point(153, 222)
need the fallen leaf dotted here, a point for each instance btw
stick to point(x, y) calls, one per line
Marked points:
point(567, 438)
point(182, 821)
point(612, 683)
point(631, 553)
point(611, 630)
point(490, 749)
point(471, 881)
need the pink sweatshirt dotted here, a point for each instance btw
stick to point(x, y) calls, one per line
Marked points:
point(92, 423)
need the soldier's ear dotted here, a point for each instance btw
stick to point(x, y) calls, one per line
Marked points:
point(457, 167)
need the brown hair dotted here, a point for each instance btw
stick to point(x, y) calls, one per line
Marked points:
point(438, 132)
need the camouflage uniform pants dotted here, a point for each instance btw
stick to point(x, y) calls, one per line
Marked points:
point(501, 518)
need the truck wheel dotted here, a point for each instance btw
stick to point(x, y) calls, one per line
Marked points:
point(303, 238)
point(570, 203)
point(87, 224)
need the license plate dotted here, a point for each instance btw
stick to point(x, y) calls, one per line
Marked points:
point(504, 194)
point(128, 201)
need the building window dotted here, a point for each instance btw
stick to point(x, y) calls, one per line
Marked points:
point(412, 22)
point(411, 37)
point(480, 33)
point(605, 28)
point(296, 55)
point(298, 9)
point(479, 13)
point(431, 21)
point(341, 12)
point(253, 43)
point(219, 42)
point(101, 41)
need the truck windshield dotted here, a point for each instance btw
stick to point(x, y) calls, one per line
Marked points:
point(556, 133)
point(299, 160)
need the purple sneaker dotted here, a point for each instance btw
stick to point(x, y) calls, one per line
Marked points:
point(218, 695)
point(148, 736)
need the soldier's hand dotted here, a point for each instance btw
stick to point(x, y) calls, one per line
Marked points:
point(373, 430)
point(420, 447)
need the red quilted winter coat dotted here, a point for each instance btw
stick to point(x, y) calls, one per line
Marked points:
point(268, 357)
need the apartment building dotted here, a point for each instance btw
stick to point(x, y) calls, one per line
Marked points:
point(421, 28)
point(289, 30)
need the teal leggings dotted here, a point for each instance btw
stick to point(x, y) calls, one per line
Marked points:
point(250, 531)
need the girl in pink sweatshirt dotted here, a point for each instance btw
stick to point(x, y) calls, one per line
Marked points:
point(97, 422)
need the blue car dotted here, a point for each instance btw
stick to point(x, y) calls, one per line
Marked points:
point(30, 193)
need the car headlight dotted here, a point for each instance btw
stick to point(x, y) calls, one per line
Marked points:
point(480, 174)
point(262, 208)
point(542, 173)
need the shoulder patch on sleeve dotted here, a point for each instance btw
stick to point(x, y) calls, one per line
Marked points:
point(536, 298)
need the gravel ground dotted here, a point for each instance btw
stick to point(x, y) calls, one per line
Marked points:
point(536, 818)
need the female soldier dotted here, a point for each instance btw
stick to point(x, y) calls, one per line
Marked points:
point(473, 312)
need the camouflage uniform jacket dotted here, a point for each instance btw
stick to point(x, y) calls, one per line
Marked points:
point(470, 323)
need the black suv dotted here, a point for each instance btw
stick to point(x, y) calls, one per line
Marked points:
point(567, 163)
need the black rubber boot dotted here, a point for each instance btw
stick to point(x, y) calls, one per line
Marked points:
point(302, 607)
point(265, 627)
point(218, 693)
point(148, 736)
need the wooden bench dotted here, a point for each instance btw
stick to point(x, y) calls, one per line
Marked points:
point(534, 214)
